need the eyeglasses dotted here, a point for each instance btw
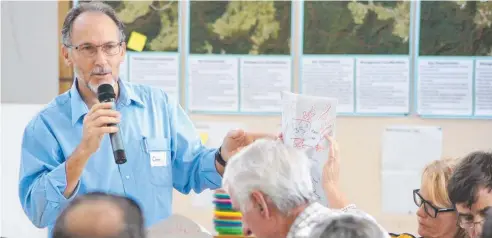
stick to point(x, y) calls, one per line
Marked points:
point(430, 209)
point(89, 50)
point(468, 225)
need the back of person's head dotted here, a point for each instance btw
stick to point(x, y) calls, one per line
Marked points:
point(472, 174)
point(280, 172)
point(100, 215)
point(347, 226)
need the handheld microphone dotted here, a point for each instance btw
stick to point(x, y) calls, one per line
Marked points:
point(105, 93)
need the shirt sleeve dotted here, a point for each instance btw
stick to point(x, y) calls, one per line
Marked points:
point(193, 164)
point(42, 175)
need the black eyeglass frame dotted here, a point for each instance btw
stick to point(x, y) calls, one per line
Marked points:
point(429, 205)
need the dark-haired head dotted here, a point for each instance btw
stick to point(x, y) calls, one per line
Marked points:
point(470, 190)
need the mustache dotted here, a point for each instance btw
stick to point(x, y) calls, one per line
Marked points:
point(100, 71)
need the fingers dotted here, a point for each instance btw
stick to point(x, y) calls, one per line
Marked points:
point(107, 129)
point(102, 112)
point(234, 134)
point(252, 136)
point(105, 120)
point(333, 146)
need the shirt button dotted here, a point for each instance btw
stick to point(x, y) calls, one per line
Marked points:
point(127, 177)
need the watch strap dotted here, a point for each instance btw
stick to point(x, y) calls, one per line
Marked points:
point(218, 157)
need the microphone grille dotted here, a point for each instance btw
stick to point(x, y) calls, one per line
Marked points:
point(105, 92)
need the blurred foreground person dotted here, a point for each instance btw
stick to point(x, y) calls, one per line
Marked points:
point(347, 226)
point(99, 215)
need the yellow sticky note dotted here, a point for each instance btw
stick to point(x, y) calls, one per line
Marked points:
point(136, 41)
point(204, 137)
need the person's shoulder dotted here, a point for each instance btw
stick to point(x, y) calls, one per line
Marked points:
point(57, 107)
point(148, 93)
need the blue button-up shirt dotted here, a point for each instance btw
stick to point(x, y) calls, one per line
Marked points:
point(151, 125)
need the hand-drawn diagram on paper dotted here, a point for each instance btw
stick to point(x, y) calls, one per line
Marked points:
point(305, 120)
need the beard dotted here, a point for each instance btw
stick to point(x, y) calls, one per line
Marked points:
point(93, 87)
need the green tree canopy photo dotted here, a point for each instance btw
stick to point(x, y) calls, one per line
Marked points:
point(356, 27)
point(456, 28)
point(240, 27)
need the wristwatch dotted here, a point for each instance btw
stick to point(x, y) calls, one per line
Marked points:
point(219, 159)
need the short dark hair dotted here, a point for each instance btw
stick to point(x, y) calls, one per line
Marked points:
point(487, 226)
point(133, 218)
point(472, 173)
point(95, 6)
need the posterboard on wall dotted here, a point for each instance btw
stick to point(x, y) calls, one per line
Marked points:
point(454, 63)
point(152, 43)
point(238, 56)
point(406, 150)
point(358, 52)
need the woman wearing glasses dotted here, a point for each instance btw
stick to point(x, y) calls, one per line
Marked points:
point(436, 216)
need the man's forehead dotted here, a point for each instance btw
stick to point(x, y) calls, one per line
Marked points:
point(94, 27)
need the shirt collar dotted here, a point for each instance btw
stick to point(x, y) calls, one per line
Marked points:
point(126, 97)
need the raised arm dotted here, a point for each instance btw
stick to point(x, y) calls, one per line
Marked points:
point(194, 165)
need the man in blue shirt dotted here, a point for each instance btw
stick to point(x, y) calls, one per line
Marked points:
point(66, 149)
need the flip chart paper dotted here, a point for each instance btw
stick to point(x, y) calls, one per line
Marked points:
point(305, 119)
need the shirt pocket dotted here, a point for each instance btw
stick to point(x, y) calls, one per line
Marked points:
point(158, 160)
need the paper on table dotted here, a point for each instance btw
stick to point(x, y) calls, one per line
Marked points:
point(305, 119)
point(406, 151)
point(177, 226)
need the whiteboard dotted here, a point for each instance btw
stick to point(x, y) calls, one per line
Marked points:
point(14, 222)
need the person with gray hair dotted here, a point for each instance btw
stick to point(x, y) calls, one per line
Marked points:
point(271, 184)
point(347, 226)
point(67, 149)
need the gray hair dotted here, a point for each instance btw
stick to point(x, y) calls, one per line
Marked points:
point(348, 226)
point(280, 172)
point(89, 7)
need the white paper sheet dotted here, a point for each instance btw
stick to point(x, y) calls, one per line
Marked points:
point(483, 88)
point(262, 80)
point(213, 84)
point(304, 121)
point(330, 77)
point(154, 69)
point(406, 150)
point(382, 85)
point(445, 87)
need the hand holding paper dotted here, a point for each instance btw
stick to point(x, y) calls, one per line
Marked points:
point(305, 121)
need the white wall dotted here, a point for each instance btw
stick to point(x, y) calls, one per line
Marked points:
point(15, 223)
point(29, 51)
point(29, 75)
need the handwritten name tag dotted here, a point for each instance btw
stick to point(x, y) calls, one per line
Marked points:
point(158, 158)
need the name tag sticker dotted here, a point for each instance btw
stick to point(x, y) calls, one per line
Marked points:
point(158, 158)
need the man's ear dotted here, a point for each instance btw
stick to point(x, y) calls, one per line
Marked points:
point(66, 56)
point(260, 203)
point(123, 51)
